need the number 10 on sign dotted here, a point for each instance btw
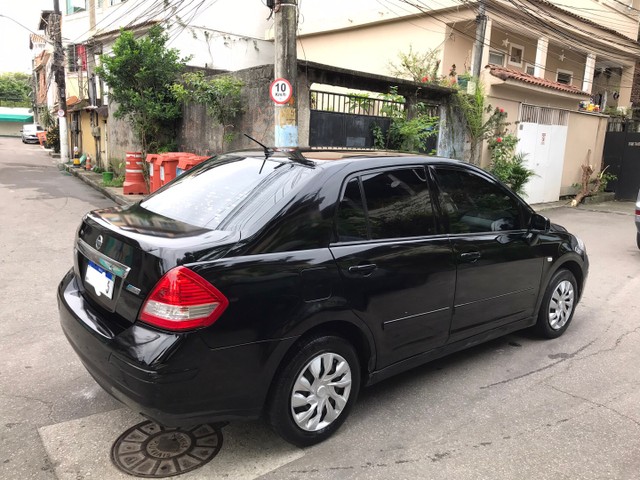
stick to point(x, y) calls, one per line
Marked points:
point(280, 91)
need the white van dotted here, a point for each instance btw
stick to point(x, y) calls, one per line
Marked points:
point(29, 133)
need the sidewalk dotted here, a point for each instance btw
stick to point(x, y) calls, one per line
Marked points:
point(95, 180)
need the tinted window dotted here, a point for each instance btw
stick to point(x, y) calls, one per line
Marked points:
point(398, 203)
point(474, 204)
point(229, 192)
point(351, 221)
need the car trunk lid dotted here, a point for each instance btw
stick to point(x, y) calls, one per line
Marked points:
point(120, 254)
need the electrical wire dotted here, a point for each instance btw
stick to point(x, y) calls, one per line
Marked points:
point(428, 11)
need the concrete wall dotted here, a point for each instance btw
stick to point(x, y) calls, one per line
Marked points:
point(371, 48)
point(228, 34)
point(200, 134)
point(585, 141)
point(120, 137)
point(10, 129)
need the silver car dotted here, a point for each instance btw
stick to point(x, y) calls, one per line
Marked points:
point(30, 133)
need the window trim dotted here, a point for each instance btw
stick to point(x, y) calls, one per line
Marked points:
point(565, 72)
point(497, 52)
point(521, 48)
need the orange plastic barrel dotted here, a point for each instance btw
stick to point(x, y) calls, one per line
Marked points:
point(134, 183)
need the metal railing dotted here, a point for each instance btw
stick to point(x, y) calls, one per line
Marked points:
point(356, 104)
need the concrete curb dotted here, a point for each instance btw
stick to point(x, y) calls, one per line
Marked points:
point(95, 180)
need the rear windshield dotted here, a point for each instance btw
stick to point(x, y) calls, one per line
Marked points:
point(229, 192)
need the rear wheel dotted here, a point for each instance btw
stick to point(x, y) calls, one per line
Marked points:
point(638, 239)
point(315, 391)
point(558, 305)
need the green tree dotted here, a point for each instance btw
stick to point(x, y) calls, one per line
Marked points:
point(221, 95)
point(15, 90)
point(140, 74)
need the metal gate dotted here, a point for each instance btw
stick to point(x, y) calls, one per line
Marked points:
point(347, 121)
point(621, 157)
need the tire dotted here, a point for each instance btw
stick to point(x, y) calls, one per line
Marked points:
point(638, 239)
point(558, 305)
point(306, 405)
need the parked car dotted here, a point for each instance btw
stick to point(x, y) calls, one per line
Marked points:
point(282, 282)
point(638, 220)
point(29, 133)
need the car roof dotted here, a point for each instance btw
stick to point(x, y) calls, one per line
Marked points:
point(326, 156)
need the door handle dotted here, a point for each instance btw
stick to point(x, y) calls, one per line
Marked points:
point(470, 257)
point(366, 269)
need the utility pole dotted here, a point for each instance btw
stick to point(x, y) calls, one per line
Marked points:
point(58, 65)
point(481, 27)
point(284, 89)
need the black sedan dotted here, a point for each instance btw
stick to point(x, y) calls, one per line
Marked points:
point(280, 283)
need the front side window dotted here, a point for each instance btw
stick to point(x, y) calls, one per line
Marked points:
point(473, 204)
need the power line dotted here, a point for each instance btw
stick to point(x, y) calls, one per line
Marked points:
point(429, 12)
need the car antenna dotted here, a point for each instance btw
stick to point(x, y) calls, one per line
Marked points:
point(267, 151)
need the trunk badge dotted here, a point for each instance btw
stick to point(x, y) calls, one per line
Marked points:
point(99, 241)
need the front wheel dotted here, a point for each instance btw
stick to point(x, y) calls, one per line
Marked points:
point(558, 305)
point(314, 391)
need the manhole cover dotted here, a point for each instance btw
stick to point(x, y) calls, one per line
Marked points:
point(153, 451)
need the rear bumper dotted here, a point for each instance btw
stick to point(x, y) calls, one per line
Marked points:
point(175, 379)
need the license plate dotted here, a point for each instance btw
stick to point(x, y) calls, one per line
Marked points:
point(101, 280)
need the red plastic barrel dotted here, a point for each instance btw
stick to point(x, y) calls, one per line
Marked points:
point(134, 178)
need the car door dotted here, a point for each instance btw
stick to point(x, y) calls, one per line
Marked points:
point(499, 265)
point(398, 272)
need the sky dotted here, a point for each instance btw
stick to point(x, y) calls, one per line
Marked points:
point(15, 55)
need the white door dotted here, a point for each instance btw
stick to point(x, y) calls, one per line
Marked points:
point(542, 137)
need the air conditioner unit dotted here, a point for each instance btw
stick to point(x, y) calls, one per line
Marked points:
point(95, 131)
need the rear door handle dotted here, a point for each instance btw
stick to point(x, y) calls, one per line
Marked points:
point(365, 269)
point(470, 256)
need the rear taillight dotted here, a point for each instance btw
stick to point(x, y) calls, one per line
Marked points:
point(183, 300)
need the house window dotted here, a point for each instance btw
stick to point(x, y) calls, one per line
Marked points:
point(530, 69)
point(516, 53)
point(75, 6)
point(496, 58)
point(564, 76)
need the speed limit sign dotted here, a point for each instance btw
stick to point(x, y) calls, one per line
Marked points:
point(280, 91)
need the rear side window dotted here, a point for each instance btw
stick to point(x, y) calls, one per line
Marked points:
point(473, 204)
point(229, 192)
point(397, 204)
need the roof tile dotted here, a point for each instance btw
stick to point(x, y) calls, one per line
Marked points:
point(504, 73)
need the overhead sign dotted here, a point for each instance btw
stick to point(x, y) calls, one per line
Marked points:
point(280, 91)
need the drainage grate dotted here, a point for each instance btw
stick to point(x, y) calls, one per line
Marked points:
point(153, 451)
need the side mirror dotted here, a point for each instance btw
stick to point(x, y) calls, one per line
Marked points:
point(539, 222)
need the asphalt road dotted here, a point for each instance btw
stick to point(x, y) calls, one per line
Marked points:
point(517, 407)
